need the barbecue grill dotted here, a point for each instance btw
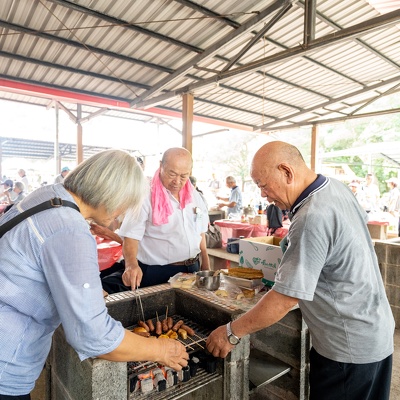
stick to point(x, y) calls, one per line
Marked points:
point(104, 380)
point(96, 379)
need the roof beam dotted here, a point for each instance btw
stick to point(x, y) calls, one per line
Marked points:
point(72, 43)
point(296, 125)
point(210, 51)
point(276, 18)
point(121, 57)
point(235, 25)
point(328, 21)
point(336, 37)
point(336, 100)
point(125, 24)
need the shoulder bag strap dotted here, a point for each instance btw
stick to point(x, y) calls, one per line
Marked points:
point(52, 203)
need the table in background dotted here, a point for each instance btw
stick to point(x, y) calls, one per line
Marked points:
point(234, 229)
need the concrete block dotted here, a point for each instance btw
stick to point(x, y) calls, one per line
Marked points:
point(236, 371)
point(396, 315)
point(393, 294)
point(393, 275)
point(393, 254)
point(380, 250)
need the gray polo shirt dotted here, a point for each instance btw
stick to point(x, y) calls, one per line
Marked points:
point(330, 265)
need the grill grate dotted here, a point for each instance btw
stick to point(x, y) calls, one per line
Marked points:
point(194, 345)
point(202, 378)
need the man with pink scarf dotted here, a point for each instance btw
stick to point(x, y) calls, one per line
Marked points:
point(169, 234)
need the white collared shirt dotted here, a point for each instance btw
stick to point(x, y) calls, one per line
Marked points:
point(175, 241)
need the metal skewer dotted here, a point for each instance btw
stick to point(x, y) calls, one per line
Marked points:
point(140, 302)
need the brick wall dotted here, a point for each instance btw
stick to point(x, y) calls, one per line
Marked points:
point(388, 253)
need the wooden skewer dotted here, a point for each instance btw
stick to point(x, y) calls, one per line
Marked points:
point(166, 313)
point(196, 342)
point(157, 317)
point(188, 345)
point(201, 338)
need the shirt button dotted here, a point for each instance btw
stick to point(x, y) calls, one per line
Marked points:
point(86, 285)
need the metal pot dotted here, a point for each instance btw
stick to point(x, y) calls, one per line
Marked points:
point(207, 280)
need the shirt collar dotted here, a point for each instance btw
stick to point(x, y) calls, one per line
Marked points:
point(317, 185)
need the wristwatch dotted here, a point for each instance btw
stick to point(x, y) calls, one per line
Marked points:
point(233, 339)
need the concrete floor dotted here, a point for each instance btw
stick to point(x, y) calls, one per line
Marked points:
point(39, 391)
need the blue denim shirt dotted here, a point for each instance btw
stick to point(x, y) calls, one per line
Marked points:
point(49, 275)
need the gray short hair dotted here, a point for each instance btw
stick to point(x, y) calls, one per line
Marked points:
point(110, 178)
point(230, 179)
point(19, 185)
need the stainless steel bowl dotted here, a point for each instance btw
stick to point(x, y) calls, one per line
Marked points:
point(207, 280)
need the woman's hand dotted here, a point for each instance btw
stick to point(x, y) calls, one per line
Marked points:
point(172, 354)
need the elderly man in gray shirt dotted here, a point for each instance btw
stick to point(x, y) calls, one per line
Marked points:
point(331, 271)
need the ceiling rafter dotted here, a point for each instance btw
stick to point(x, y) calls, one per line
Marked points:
point(336, 100)
point(125, 24)
point(68, 42)
point(235, 25)
point(336, 37)
point(212, 50)
point(328, 21)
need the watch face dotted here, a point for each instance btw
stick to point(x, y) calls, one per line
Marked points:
point(233, 340)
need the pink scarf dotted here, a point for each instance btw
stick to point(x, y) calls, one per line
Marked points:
point(161, 203)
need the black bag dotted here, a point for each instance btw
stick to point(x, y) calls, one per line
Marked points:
point(213, 237)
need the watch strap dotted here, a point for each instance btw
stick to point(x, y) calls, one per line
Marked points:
point(230, 333)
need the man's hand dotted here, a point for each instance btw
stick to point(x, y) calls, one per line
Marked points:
point(132, 276)
point(217, 342)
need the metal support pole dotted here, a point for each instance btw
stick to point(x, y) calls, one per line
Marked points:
point(309, 21)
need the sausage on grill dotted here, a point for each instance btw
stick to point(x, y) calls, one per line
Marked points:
point(158, 328)
point(144, 325)
point(189, 330)
point(150, 324)
point(170, 322)
point(177, 325)
point(164, 325)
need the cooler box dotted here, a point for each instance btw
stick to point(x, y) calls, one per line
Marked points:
point(261, 253)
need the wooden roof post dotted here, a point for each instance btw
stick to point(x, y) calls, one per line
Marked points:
point(187, 121)
point(314, 147)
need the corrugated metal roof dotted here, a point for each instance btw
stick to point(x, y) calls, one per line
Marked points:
point(147, 53)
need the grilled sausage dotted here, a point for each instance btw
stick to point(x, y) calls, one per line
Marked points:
point(189, 330)
point(150, 324)
point(144, 325)
point(177, 325)
point(170, 322)
point(158, 328)
point(164, 324)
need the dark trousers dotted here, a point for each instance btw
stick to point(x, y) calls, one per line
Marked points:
point(23, 397)
point(152, 275)
point(332, 380)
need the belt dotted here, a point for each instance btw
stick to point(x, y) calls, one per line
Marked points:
point(189, 261)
